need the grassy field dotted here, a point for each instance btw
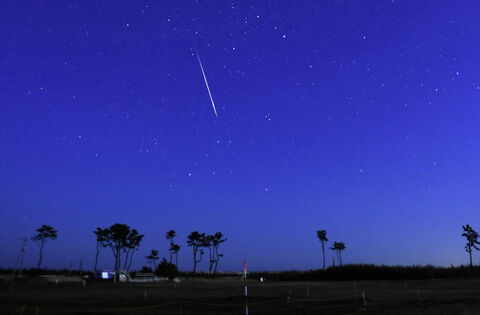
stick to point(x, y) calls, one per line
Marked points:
point(225, 296)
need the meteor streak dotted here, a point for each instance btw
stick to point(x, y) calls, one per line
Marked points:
point(206, 83)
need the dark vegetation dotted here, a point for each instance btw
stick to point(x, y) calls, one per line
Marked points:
point(167, 269)
point(124, 241)
point(372, 272)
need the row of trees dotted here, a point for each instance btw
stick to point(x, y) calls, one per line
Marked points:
point(468, 232)
point(124, 241)
point(199, 241)
point(121, 239)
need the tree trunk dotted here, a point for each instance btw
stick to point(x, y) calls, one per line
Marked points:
point(216, 264)
point(96, 257)
point(471, 265)
point(194, 260)
point(210, 260)
point(131, 259)
point(40, 256)
point(126, 259)
point(117, 260)
point(323, 251)
point(215, 253)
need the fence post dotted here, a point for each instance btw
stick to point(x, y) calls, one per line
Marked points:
point(245, 285)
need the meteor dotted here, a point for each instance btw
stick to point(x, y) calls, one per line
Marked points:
point(206, 83)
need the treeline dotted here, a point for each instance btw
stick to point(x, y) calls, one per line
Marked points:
point(371, 272)
point(123, 241)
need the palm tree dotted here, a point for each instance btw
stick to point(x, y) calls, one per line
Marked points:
point(472, 240)
point(338, 247)
point(44, 233)
point(322, 237)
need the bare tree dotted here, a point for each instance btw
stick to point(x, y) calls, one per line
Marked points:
point(44, 233)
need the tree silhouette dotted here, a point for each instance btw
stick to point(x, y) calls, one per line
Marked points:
point(100, 236)
point(170, 235)
point(217, 240)
point(152, 258)
point(44, 233)
point(207, 242)
point(472, 240)
point(120, 238)
point(338, 247)
point(133, 242)
point(175, 248)
point(212, 242)
point(322, 237)
point(196, 240)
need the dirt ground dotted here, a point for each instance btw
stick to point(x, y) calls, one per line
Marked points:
point(226, 296)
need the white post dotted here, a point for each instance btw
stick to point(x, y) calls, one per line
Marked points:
point(245, 285)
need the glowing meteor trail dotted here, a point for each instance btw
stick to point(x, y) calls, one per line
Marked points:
point(206, 83)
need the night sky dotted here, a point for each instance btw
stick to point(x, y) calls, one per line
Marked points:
point(357, 117)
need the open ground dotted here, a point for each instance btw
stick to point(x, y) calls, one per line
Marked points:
point(226, 296)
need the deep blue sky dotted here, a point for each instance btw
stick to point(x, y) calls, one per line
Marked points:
point(358, 117)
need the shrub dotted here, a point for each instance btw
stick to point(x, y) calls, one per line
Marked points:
point(146, 269)
point(166, 269)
